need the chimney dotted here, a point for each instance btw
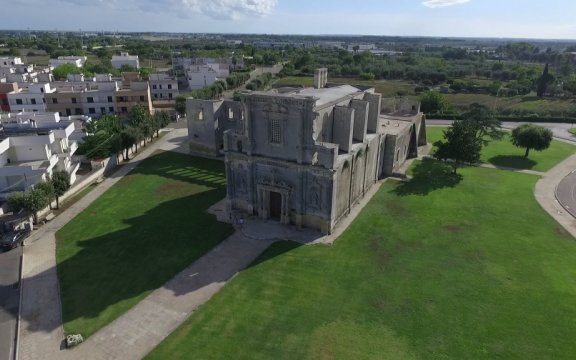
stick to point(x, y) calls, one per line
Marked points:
point(320, 78)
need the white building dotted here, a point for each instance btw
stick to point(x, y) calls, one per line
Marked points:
point(125, 59)
point(32, 146)
point(200, 76)
point(163, 87)
point(79, 61)
point(30, 99)
point(10, 61)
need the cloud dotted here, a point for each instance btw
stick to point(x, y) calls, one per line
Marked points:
point(442, 3)
point(215, 9)
point(229, 9)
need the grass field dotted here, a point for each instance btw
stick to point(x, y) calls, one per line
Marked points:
point(438, 268)
point(387, 88)
point(136, 236)
point(503, 153)
point(524, 103)
point(390, 88)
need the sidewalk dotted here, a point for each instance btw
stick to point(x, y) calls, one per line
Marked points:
point(41, 325)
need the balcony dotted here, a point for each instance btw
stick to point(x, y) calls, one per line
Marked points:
point(72, 147)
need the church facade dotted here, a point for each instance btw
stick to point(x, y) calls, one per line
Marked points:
point(305, 156)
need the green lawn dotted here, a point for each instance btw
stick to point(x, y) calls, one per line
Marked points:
point(473, 270)
point(136, 236)
point(503, 153)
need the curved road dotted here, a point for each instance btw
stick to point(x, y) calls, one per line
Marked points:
point(560, 130)
point(566, 193)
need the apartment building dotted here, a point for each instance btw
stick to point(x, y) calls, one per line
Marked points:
point(125, 59)
point(134, 91)
point(32, 146)
point(78, 61)
point(29, 99)
point(200, 76)
point(66, 100)
point(98, 98)
point(6, 88)
point(163, 87)
point(10, 61)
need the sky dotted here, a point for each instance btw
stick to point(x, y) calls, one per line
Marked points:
point(451, 18)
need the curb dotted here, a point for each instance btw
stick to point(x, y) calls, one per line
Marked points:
point(19, 318)
point(565, 207)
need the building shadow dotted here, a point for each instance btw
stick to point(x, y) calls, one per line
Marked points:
point(517, 162)
point(277, 249)
point(428, 175)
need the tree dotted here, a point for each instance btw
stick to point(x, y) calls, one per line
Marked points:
point(531, 136)
point(62, 71)
point(60, 183)
point(460, 145)
point(35, 200)
point(17, 200)
point(47, 188)
point(159, 120)
point(128, 138)
point(543, 81)
point(181, 105)
point(485, 123)
point(433, 102)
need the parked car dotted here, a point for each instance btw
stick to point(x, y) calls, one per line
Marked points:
point(12, 239)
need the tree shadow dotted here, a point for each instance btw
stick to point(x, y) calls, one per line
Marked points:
point(428, 175)
point(512, 161)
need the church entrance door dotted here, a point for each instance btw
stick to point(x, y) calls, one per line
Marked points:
point(275, 205)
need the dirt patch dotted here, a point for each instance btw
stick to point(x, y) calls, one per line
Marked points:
point(560, 231)
point(397, 208)
point(126, 181)
point(381, 255)
point(171, 188)
point(380, 304)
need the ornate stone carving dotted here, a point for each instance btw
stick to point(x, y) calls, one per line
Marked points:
point(241, 183)
point(315, 195)
point(275, 108)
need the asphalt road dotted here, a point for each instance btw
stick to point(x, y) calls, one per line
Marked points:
point(566, 193)
point(9, 300)
point(560, 130)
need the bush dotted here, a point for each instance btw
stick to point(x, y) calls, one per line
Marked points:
point(367, 76)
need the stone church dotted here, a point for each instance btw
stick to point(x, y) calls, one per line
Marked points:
point(305, 156)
